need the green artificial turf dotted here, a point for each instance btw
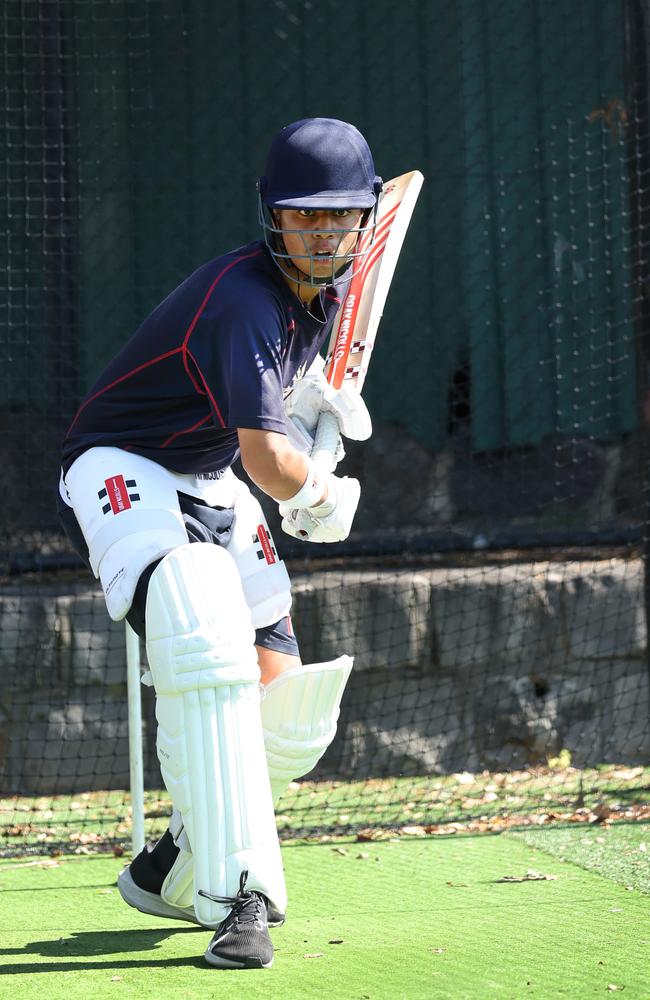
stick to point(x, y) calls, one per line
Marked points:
point(620, 852)
point(419, 919)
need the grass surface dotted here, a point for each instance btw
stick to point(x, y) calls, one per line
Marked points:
point(419, 919)
point(620, 852)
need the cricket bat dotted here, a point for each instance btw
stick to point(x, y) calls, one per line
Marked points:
point(355, 327)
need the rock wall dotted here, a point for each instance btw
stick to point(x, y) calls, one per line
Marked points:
point(456, 669)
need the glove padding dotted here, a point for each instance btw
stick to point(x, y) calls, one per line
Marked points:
point(303, 441)
point(329, 521)
point(313, 395)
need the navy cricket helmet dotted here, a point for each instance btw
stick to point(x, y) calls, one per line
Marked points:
point(320, 163)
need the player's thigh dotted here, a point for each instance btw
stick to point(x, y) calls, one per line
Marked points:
point(273, 663)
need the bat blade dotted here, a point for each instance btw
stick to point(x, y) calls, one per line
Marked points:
point(355, 326)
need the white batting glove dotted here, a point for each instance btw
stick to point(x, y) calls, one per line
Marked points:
point(313, 395)
point(329, 521)
point(303, 441)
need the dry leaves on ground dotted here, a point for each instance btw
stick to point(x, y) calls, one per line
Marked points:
point(530, 876)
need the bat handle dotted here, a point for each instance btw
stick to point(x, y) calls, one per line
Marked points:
point(326, 440)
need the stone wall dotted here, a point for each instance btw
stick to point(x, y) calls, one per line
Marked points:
point(456, 669)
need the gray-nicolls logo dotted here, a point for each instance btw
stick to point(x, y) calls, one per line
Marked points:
point(119, 493)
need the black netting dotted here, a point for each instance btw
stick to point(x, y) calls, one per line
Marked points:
point(494, 589)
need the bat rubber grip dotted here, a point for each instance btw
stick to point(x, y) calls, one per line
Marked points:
point(326, 440)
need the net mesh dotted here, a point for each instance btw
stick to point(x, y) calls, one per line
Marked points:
point(494, 590)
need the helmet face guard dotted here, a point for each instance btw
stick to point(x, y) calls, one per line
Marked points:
point(300, 267)
point(319, 164)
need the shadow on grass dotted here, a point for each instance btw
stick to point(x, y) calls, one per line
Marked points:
point(34, 890)
point(85, 944)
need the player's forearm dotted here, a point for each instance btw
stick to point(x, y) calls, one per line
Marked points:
point(272, 462)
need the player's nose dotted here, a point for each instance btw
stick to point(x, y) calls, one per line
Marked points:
point(324, 224)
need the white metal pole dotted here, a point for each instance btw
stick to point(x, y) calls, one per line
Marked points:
point(136, 768)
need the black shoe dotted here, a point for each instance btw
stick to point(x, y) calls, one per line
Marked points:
point(241, 941)
point(141, 882)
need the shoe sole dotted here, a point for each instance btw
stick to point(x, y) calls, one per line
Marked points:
point(150, 902)
point(217, 962)
point(155, 906)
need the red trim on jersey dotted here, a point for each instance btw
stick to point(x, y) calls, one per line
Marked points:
point(168, 354)
point(210, 290)
point(122, 378)
point(186, 351)
point(187, 430)
point(207, 390)
point(208, 294)
point(190, 374)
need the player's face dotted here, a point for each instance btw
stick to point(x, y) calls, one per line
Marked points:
point(322, 237)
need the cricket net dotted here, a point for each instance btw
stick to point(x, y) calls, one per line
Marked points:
point(495, 589)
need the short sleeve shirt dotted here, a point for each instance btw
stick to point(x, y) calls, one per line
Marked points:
point(217, 354)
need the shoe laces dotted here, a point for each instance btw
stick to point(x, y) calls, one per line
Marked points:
point(246, 905)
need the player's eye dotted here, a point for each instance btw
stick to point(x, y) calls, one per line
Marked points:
point(306, 213)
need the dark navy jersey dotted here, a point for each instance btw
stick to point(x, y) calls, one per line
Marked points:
point(215, 355)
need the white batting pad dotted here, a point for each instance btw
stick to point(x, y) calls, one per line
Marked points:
point(299, 715)
point(200, 645)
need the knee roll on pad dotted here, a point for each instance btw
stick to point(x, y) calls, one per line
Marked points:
point(210, 741)
point(300, 710)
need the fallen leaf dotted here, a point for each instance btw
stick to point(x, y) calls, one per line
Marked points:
point(371, 834)
point(339, 850)
point(602, 814)
point(530, 876)
point(116, 979)
point(313, 954)
point(459, 885)
point(336, 941)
